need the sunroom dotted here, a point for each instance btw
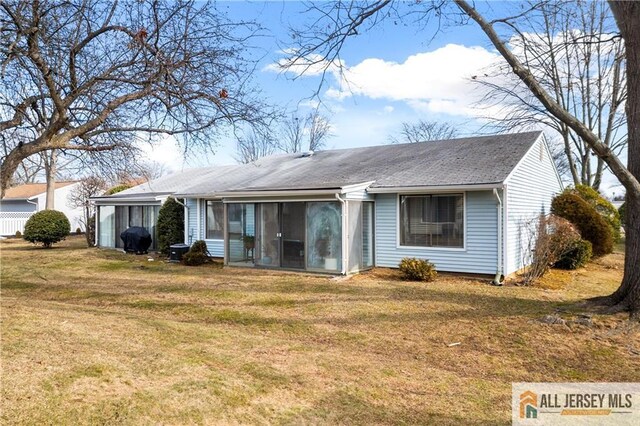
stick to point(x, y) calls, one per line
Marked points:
point(329, 231)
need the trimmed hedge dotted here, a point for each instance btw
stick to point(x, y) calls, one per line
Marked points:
point(170, 225)
point(47, 227)
point(197, 255)
point(602, 206)
point(413, 269)
point(577, 256)
point(592, 226)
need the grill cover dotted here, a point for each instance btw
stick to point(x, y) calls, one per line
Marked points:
point(136, 240)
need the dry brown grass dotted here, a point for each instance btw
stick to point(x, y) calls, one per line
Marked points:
point(94, 336)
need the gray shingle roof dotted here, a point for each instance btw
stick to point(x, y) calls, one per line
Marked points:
point(467, 161)
point(455, 162)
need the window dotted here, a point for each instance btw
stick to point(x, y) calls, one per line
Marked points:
point(215, 220)
point(432, 220)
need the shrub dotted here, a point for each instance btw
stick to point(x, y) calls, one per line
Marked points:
point(413, 269)
point(170, 226)
point(622, 211)
point(47, 227)
point(550, 237)
point(198, 254)
point(592, 226)
point(78, 231)
point(577, 256)
point(18, 234)
point(118, 188)
point(602, 206)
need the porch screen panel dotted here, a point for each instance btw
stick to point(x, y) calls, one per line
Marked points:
point(355, 235)
point(432, 220)
point(241, 228)
point(107, 234)
point(122, 223)
point(135, 216)
point(324, 236)
point(149, 221)
point(267, 230)
point(367, 234)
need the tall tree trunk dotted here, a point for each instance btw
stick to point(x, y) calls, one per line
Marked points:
point(627, 15)
point(50, 161)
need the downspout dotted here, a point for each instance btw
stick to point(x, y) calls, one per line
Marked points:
point(186, 220)
point(345, 233)
point(498, 278)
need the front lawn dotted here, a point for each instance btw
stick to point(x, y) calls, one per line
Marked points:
point(95, 336)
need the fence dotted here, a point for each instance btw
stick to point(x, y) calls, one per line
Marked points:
point(10, 222)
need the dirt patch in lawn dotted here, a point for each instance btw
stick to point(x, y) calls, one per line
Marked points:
point(95, 336)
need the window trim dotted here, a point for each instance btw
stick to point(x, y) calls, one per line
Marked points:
point(435, 248)
point(206, 221)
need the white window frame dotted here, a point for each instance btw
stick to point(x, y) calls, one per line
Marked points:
point(430, 248)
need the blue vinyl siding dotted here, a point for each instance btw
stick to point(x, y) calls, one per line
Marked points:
point(195, 232)
point(479, 255)
point(530, 189)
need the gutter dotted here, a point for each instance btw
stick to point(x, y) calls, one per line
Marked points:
point(345, 238)
point(35, 203)
point(498, 278)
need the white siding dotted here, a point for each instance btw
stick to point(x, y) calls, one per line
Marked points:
point(479, 255)
point(530, 189)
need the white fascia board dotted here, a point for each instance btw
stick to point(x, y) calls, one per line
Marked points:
point(432, 189)
point(285, 193)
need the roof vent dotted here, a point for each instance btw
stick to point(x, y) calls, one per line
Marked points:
point(306, 154)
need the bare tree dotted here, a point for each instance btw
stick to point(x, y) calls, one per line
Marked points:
point(319, 130)
point(308, 133)
point(292, 134)
point(81, 197)
point(97, 76)
point(574, 53)
point(254, 145)
point(338, 21)
point(423, 131)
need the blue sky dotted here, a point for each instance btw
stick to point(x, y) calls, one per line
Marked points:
point(397, 73)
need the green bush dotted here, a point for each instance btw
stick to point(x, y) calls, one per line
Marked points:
point(170, 226)
point(602, 206)
point(577, 256)
point(593, 227)
point(622, 211)
point(47, 227)
point(18, 234)
point(413, 269)
point(198, 254)
point(118, 188)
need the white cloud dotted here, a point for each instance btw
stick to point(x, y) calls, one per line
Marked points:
point(439, 79)
point(435, 82)
point(309, 66)
point(164, 152)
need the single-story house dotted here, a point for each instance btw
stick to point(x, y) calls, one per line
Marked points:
point(21, 201)
point(459, 203)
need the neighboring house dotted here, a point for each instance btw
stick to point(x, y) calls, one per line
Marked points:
point(21, 201)
point(460, 203)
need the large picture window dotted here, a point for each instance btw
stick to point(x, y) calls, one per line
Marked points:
point(215, 220)
point(432, 220)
